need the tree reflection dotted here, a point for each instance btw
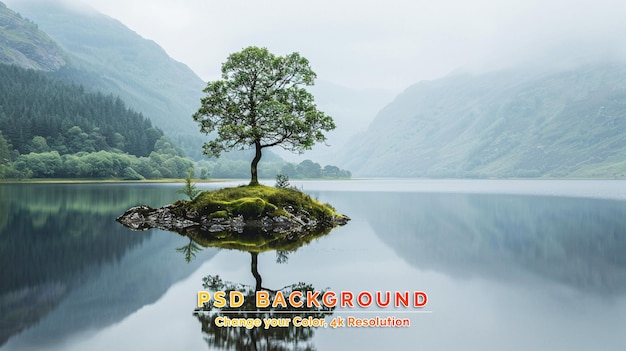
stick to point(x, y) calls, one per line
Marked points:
point(189, 250)
point(288, 337)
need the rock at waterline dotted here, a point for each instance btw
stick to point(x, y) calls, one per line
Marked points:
point(179, 217)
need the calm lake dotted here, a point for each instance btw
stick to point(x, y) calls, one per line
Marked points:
point(507, 265)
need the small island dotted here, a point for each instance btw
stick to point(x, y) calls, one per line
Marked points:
point(241, 217)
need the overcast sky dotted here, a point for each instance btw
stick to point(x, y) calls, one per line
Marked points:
point(377, 44)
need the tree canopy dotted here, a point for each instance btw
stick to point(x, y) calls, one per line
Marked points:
point(260, 102)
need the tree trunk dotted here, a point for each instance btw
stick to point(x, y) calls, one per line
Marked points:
point(255, 270)
point(253, 167)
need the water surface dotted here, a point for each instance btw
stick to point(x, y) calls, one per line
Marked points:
point(509, 265)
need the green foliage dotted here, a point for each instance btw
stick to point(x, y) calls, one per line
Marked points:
point(7, 169)
point(5, 150)
point(259, 200)
point(251, 207)
point(39, 144)
point(259, 103)
point(130, 174)
point(282, 181)
point(101, 164)
point(104, 55)
point(42, 165)
point(189, 188)
point(190, 250)
point(240, 169)
point(41, 114)
point(62, 131)
point(311, 170)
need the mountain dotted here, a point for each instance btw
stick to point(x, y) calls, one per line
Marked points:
point(351, 109)
point(514, 123)
point(23, 44)
point(105, 55)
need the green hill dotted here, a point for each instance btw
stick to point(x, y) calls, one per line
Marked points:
point(516, 123)
point(49, 128)
point(104, 55)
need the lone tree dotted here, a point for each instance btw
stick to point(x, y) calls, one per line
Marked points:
point(260, 102)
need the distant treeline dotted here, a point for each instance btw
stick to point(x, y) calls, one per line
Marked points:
point(307, 169)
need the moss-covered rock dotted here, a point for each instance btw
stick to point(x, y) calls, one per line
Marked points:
point(252, 218)
point(254, 202)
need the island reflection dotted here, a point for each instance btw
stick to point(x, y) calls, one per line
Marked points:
point(286, 336)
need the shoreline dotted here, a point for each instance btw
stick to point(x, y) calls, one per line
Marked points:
point(104, 181)
point(225, 180)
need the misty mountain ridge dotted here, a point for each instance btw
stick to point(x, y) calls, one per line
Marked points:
point(568, 122)
point(25, 45)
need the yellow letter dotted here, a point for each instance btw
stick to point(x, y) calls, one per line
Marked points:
point(220, 301)
point(236, 299)
point(203, 296)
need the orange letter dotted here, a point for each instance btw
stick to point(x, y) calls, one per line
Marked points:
point(262, 299)
point(346, 299)
point(329, 299)
point(311, 299)
point(279, 300)
point(292, 299)
point(379, 301)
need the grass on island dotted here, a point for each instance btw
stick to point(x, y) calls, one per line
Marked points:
point(254, 202)
point(258, 201)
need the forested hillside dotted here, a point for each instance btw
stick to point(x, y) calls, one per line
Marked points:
point(105, 55)
point(49, 128)
point(69, 119)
